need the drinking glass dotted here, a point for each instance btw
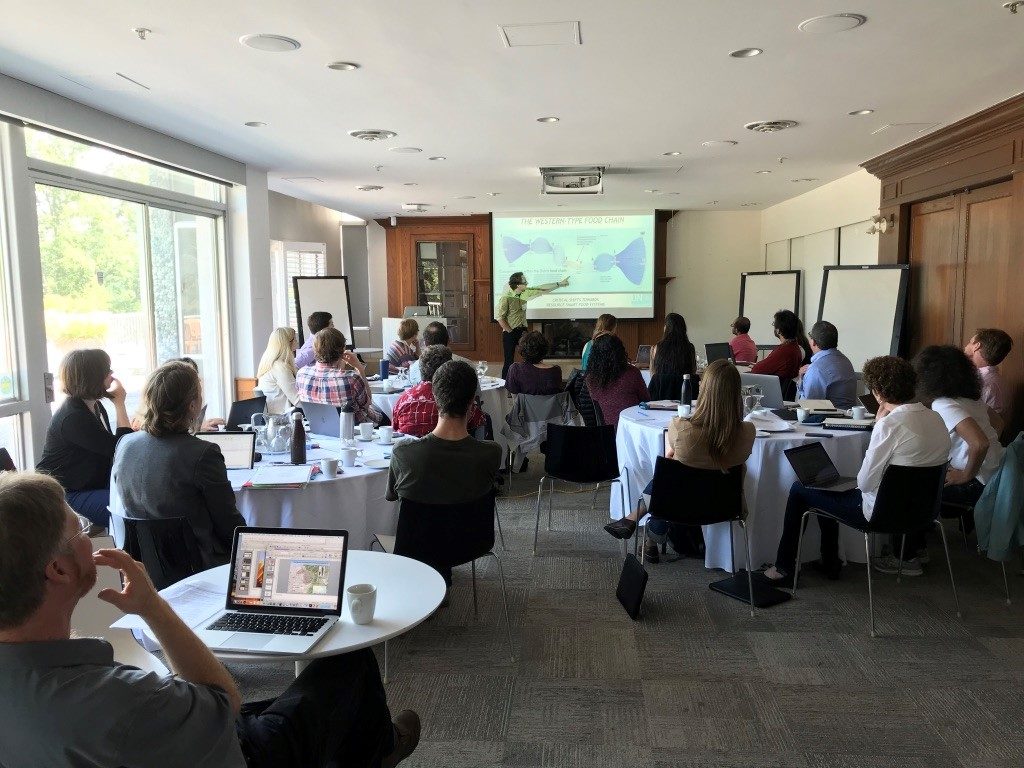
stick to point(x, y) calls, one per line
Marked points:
point(481, 367)
point(758, 394)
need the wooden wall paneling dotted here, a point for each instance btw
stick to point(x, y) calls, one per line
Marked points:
point(933, 273)
point(1014, 363)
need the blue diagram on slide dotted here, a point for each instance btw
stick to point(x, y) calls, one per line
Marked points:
point(630, 260)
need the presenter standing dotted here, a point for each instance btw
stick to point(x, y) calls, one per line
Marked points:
point(512, 313)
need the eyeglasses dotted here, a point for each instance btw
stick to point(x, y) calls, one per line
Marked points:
point(84, 524)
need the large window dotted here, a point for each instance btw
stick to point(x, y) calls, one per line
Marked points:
point(137, 275)
point(290, 260)
point(13, 406)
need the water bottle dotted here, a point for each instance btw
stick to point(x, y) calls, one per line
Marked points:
point(347, 430)
point(298, 439)
point(687, 396)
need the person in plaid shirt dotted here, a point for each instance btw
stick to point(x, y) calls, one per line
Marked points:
point(416, 413)
point(327, 380)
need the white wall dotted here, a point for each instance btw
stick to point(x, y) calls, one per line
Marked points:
point(354, 265)
point(706, 252)
point(844, 201)
point(377, 269)
point(300, 221)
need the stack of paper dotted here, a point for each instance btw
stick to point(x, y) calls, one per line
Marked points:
point(281, 476)
point(816, 405)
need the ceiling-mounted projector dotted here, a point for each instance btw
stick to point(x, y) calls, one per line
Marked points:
point(572, 180)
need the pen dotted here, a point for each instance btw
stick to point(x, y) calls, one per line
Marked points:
point(818, 434)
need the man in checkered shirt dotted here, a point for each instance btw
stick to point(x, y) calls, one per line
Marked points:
point(337, 378)
point(415, 413)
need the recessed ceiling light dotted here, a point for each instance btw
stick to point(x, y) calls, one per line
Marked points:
point(493, 194)
point(671, 193)
point(652, 191)
point(405, 150)
point(438, 157)
point(270, 43)
point(369, 187)
point(711, 202)
point(719, 143)
point(747, 205)
point(671, 154)
point(765, 171)
point(547, 119)
point(343, 66)
point(465, 197)
point(836, 22)
point(409, 184)
point(746, 53)
point(372, 134)
point(797, 181)
point(256, 124)
point(770, 126)
point(857, 112)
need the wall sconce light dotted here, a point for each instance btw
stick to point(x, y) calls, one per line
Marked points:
point(880, 224)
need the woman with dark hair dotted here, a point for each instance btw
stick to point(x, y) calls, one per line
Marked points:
point(614, 384)
point(79, 447)
point(674, 355)
point(948, 382)
point(605, 323)
point(785, 360)
point(533, 376)
point(162, 471)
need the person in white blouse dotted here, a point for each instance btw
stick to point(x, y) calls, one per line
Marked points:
point(275, 376)
point(910, 435)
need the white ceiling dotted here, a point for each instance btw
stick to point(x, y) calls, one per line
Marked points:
point(651, 76)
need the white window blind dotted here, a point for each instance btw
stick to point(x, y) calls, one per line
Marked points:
point(293, 260)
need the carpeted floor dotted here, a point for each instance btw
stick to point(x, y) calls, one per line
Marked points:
point(697, 682)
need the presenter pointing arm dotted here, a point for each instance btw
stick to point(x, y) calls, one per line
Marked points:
point(512, 313)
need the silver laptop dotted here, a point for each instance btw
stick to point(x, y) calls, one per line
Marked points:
point(770, 385)
point(284, 591)
point(237, 448)
point(323, 419)
point(814, 468)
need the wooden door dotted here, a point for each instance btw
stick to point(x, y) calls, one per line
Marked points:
point(933, 273)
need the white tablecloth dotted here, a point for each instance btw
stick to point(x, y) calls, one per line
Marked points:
point(640, 439)
point(646, 373)
point(353, 501)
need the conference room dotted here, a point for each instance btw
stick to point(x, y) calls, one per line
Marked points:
point(511, 384)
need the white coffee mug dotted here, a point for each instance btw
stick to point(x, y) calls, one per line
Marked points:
point(328, 467)
point(684, 410)
point(362, 600)
point(385, 434)
point(859, 412)
point(386, 386)
point(801, 414)
point(348, 456)
point(366, 430)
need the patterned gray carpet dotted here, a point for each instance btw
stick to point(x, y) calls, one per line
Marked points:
point(697, 682)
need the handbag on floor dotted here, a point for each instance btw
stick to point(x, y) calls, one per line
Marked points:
point(632, 583)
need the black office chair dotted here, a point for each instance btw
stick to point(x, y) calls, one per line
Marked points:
point(684, 495)
point(907, 502)
point(576, 386)
point(447, 535)
point(669, 386)
point(581, 455)
point(789, 389)
point(167, 547)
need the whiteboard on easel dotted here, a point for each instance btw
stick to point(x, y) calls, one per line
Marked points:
point(762, 294)
point(323, 294)
point(866, 305)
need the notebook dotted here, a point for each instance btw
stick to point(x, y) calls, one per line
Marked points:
point(814, 468)
point(284, 592)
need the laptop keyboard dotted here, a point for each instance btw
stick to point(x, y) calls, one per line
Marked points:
point(269, 625)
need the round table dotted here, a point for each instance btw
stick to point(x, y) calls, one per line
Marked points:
point(352, 501)
point(640, 439)
point(408, 591)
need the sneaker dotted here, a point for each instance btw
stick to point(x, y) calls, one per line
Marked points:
point(407, 736)
point(890, 564)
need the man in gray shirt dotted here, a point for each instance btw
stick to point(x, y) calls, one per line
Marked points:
point(66, 702)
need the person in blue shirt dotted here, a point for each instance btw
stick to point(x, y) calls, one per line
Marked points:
point(830, 374)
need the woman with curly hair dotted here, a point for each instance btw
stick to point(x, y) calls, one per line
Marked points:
point(533, 376)
point(614, 384)
point(910, 435)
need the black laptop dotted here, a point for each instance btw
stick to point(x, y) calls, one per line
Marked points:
point(718, 351)
point(242, 411)
point(814, 468)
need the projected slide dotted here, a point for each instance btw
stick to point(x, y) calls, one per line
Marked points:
point(607, 258)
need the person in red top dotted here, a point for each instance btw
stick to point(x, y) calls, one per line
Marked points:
point(416, 413)
point(785, 360)
point(744, 350)
point(614, 384)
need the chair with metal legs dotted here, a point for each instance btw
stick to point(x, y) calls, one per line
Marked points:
point(907, 502)
point(963, 513)
point(581, 455)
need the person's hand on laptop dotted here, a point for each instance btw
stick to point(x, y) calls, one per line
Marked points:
point(210, 425)
point(138, 595)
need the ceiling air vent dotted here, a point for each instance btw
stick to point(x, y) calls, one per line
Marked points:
point(770, 126)
point(572, 180)
point(372, 134)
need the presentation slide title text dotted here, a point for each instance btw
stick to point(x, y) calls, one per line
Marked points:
point(562, 221)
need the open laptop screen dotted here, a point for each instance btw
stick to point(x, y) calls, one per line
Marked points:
point(238, 448)
point(288, 570)
point(718, 351)
point(812, 464)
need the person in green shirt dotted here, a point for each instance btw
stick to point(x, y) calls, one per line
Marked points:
point(512, 313)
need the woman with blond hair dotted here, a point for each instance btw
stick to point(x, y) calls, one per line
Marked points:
point(406, 348)
point(603, 325)
point(275, 376)
point(715, 437)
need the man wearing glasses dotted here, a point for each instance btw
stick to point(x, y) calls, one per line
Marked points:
point(512, 313)
point(67, 702)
